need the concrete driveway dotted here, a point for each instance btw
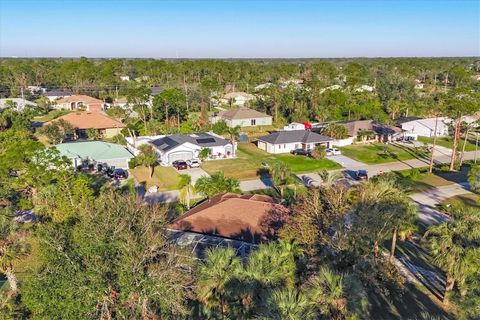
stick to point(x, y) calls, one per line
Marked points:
point(195, 173)
point(346, 162)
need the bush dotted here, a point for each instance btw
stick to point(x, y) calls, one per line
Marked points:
point(204, 153)
point(132, 163)
point(220, 127)
point(414, 173)
point(319, 152)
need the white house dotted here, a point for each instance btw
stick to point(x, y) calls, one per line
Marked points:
point(414, 127)
point(364, 88)
point(294, 126)
point(287, 141)
point(188, 146)
point(53, 95)
point(332, 87)
point(17, 103)
point(237, 98)
point(243, 117)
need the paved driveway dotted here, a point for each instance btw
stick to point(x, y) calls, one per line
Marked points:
point(346, 162)
point(195, 173)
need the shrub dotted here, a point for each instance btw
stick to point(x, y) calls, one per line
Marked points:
point(414, 173)
point(319, 152)
point(132, 163)
point(205, 153)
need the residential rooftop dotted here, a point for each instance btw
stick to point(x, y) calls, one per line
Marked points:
point(97, 150)
point(90, 120)
point(203, 139)
point(292, 136)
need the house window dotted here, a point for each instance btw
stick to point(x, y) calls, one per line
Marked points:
point(284, 146)
point(253, 122)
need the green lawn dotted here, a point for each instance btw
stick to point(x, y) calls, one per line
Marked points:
point(51, 115)
point(447, 142)
point(468, 199)
point(420, 181)
point(166, 178)
point(377, 153)
point(249, 161)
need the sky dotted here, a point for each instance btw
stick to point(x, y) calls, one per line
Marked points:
point(239, 29)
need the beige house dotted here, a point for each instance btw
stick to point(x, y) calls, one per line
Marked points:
point(243, 117)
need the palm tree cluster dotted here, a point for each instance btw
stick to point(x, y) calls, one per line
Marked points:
point(216, 183)
point(455, 247)
point(271, 285)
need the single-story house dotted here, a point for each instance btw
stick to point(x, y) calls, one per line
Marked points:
point(53, 95)
point(95, 152)
point(76, 102)
point(82, 121)
point(188, 146)
point(286, 141)
point(248, 218)
point(365, 88)
point(243, 117)
point(414, 127)
point(369, 131)
point(17, 103)
point(237, 98)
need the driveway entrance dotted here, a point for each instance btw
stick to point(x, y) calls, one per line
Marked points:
point(346, 162)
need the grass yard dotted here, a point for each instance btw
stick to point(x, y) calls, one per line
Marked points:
point(249, 160)
point(377, 153)
point(468, 199)
point(51, 115)
point(166, 178)
point(418, 180)
point(447, 142)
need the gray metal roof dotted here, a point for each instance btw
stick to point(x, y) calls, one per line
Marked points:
point(203, 140)
point(304, 136)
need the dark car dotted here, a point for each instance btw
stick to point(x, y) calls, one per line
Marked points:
point(302, 152)
point(180, 165)
point(361, 175)
point(118, 173)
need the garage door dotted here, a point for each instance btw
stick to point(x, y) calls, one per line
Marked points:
point(180, 156)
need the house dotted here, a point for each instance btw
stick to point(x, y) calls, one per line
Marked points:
point(243, 117)
point(53, 95)
point(419, 84)
point(95, 152)
point(188, 146)
point(36, 89)
point(125, 78)
point(263, 86)
point(247, 218)
point(297, 126)
point(368, 131)
point(286, 141)
point(17, 103)
point(414, 127)
point(364, 88)
point(80, 102)
point(332, 87)
point(82, 121)
point(237, 98)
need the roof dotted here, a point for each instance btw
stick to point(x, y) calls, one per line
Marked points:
point(58, 93)
point(90, 120)
point(353, 127)
point(384, 129)
point(241, 113)
point(249, 218)
point(155, 90)
point(203, 139)
point(233, 95)
point(79, 98)
point(95, 150)
point(18, 101)
point(305, 136)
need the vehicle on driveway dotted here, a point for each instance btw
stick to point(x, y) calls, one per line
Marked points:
point(180, 164)
point(361, 175)
point(118, 173)
point(193, 163)
point(302, 152)
point(333, 152)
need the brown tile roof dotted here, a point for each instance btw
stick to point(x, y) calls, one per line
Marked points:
point(250, 218)
point(354, 127)
point(79, 98)
point(241, 113)
point(90, 120)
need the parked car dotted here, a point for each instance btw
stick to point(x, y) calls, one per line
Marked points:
point(119, 173)
point(180, 164)
point(361, 175)
point(193, 163)
point(333, 152)
point(302, 152)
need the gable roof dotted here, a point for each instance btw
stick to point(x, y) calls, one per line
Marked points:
point(79, 98)
point(203, 139)
point(305, 136)
point(96, 150)
point(241, 113)
point(354, 127)
point(248, 218)
point(90, 120)
point(58, 93)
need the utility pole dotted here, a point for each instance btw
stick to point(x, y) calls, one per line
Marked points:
point(23, 99)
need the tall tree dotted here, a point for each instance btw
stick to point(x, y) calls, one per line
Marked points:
point(186, 189)
point(147, 157)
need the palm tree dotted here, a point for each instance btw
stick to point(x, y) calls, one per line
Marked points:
point(454, 248)
point(280, 173)
point(147, 157)
point(186, 189)
point(216, 183)
point(330, 177)
point(12, 247)
point(290, 304)
point(234, 134)
point(335, 131)
point(214, 274)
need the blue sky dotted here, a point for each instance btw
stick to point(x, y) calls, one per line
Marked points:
point(229, 29)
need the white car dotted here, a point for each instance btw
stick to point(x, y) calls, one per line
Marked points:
point(333, 152)
point(193, 163)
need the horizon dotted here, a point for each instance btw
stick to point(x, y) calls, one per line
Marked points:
point(239, 30)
